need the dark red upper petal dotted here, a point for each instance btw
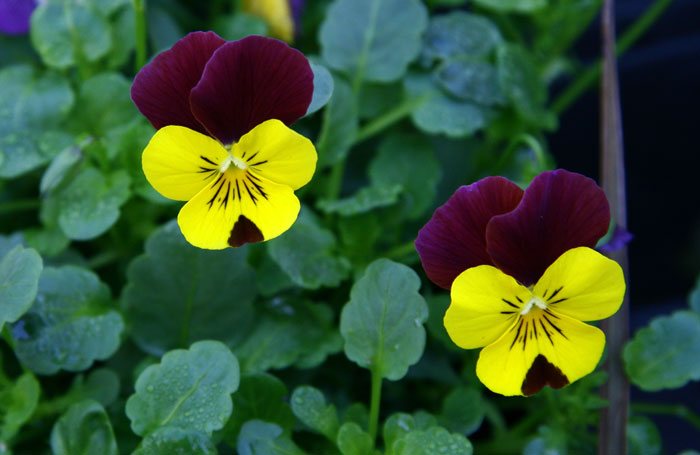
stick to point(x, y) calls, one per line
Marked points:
point(559, 211)
point(249, 81)
point(455, 237)
point(161, 90)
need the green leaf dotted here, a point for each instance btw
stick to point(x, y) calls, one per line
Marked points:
point(177, 294)
point(407, 160)
point(522, 84)
point(383, 323)
point(509, 6)
point(463, 411)
point(176, 441)
point(307, 254)
point(61, 168)
point(694, 297)
point(643, 437)
point(84, 430)
point(561, 23)
point(440, 114)
point(400, 424)
point(291, 333)
point(373, 40)
point(666, 354)
point(236, 26)
point(17, 404)
point(261, 438)
point(188, 389)
point(19, 280)
point(460, 34)
point(432, 441)
point(108, 7)
point(261, 397)
point(323, 88)
point(340, 125)
point(65, 32)
point(353, 440)
point(123, 35)
point(101, 385)
point(49, 241)
point(364, 200)
point(9, 242)
point(376, 99)
point(70, 325)
point(96, 116)
point(309, 405)
point(438, 304)
point(32, 105)
point(471, 80)
point(89, 205)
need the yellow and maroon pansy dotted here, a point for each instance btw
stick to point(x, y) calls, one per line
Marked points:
point(524, 277)
point(223, 144)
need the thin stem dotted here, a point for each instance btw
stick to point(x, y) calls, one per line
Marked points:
point(375, 398)
point(612, 432)
point(102, 259)
point(335, 181)
point(631, 35)
point(19, 206)
point(677, 410)
point(389, 118)
point(140, 31)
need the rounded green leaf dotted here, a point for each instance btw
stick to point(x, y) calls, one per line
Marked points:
point(364, 200)
point(262, 438)
point(463, 411)
point(20, 269)
point(643, 437)
point(323, 88)
point(441, 114)
point(383, 323)
point(174, 440)
point(177, 294)
point(353, 440)
point(17, 404)
point(189, 389)
point(89, 204)
point(64, 31)
point(432, 441)
point(375, 39)
point(309, 405)
point(96, 116)
point(236, 26)
point(340, 125)
point(507, 6)
point(307, 254)
point(32, 105)
point(666, 354)
point(460, 34)
point(70, 325)
point(84, 430)
point(407, 160)
point(471, 80)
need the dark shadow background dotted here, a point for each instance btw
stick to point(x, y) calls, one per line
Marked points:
point(660, 97)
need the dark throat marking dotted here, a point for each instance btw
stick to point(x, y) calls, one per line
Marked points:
point(554, 294)
point(524, 338)
point(542, 373)
point(244, 231)
point(544, 316)
point(511, 304)
point(207, 160)
point(257, 186)
point(549, 337)
point(517, 335)
point(519, 299)
point(219, 181)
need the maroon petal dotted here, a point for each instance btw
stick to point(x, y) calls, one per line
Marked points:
point(559, 211)
point(161, 90)
point(249, 81)
point(455, 237)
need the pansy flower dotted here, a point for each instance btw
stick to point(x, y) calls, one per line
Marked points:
point(14, 16)
point(282, 16)
point(523, 277)
point(223, 144)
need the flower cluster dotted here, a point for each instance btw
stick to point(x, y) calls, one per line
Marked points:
point(222, 110)
point(14, 16)
point(523, 276)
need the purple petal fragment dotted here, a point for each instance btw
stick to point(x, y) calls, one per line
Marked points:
point(560, 210)
point(618, 240)
point(455, 237)
point(14, 16)
point(161, 90)
point(249, 81)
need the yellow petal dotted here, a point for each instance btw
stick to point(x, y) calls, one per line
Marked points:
point(180, 162)
point(277, 153)
point(540, 349)
point(237, 208)
point(485, 304)
point(582, 284)
point(276, 13)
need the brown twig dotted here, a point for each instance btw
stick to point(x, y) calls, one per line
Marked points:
point(613, 422)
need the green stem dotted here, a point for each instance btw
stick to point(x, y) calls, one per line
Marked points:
point(140, 30)
point(588, 78)
point(389, 118)
point(335, 181)
point(102, 259)
point(375, 399)
point(677, 410)
point(19, 206)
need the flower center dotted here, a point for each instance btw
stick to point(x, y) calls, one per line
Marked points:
point(534, 301)
point(229, 160)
